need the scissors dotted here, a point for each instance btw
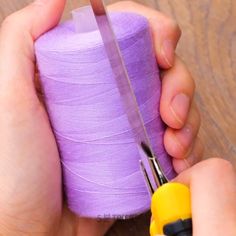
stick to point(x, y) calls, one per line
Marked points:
point(170, 204)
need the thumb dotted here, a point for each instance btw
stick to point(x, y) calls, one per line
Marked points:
point(42, 15)
point(213, 195)
point(36, 18)
point(17, 35)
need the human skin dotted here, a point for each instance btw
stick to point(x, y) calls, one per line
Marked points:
point(213, 189)
point(213, 195)
point(31, 201)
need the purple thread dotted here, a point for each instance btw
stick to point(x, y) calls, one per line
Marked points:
point(100, 160)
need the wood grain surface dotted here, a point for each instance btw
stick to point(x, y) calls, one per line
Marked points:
point(208, 46)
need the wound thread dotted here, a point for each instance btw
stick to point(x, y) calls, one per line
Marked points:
point(99, 157)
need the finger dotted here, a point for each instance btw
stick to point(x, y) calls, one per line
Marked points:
point(36, 18)
point(179, 143)
point(194, 157)
point(166, 32)
point(17, 34)
point(177, 93)
point(213, 191)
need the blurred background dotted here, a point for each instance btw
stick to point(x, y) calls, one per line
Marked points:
point(208, 46)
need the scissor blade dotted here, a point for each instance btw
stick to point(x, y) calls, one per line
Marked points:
point(118, 67)
point(146, 177)
point(128, 97)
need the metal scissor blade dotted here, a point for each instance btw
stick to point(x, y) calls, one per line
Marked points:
point(146, 177)
point(122, 79)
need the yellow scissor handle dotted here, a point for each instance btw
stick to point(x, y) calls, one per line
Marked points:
point(170, 202)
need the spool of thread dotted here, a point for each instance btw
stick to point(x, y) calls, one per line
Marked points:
point(99, 157)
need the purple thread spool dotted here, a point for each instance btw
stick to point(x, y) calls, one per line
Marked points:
point(100, 160)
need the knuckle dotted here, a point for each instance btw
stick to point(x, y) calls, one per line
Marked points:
point(216, 166)
point(191, 82)
point(9, 21)
point(173, 26)
point(128, 4)
point(222, 164)
point(12, 25)
point(186, 74)
point(216, 170)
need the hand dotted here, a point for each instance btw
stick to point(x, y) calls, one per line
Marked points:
point(30, 183)
point(213, 190)
point(177, 107)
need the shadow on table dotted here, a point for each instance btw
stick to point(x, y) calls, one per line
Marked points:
point(138, 226)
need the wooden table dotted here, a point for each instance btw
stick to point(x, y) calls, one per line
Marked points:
point(208, 45)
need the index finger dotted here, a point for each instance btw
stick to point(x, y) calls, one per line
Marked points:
point(166, 32)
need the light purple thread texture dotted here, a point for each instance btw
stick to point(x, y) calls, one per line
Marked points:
point(100, 160)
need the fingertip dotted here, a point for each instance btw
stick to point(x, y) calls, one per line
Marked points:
point(194, 157)
point(173, 118)
point(172, 145)
point(166, 34)
point(47, 14)
point(166, 54)
point(179, 107)
point(177, 93)
point(170, 119)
